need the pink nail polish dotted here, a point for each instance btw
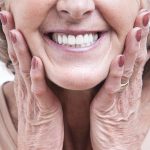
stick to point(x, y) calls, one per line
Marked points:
point(121, 61)
point(34, 63)
point(146, 19)
point(139, 35)
point(3, 19)
point(12, 37)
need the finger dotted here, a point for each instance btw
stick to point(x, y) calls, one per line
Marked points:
point(142, 18)
point(8, 24)
point(111, 86)
point(130, 73)
point(23, 56)
point(143, 21)
point(46, 99)
point(132, 46)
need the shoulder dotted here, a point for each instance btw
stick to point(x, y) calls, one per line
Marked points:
point(8, 90)
point(8, 134)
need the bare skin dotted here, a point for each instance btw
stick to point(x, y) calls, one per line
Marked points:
point(76, 119)
point(76, 110)
point(76, 116)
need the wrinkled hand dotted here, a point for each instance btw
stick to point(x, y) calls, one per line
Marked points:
point(40, 117)
point(116, 117)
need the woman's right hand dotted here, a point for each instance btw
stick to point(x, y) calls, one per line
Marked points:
point(40, 116)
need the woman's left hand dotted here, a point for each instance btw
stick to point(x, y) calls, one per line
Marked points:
point(116, 116)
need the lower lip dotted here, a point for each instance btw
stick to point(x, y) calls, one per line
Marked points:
point(76, 50)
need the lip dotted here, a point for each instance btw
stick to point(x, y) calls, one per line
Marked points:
point(72, 49)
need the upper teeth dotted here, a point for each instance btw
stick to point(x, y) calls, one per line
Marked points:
point(79, 40)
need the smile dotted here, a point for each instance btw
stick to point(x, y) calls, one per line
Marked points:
point(77, 42)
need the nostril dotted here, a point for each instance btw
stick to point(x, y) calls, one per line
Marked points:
point(87, 12)
point(64, 11)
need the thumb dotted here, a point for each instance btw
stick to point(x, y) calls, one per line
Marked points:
point(46, 99)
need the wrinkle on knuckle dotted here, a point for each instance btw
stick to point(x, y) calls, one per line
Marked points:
point(38, 91)
point(110, 89)
point(22, 93)
point(15, 64)
point(25, 73)
point(141, 59)
point(128, 73)
point(116, 75)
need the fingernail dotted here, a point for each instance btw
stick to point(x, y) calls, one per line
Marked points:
point(34, 63)
point(121, 61)
point(3, 19)
point(12, 37)
point(146, 19)
point(139, 35)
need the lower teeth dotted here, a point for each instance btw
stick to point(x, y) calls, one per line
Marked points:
point(76, 46)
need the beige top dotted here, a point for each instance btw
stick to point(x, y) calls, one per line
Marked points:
point(8, 133)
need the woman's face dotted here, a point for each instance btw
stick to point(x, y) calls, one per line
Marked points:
point(81, 61)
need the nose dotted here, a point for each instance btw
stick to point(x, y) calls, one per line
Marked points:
point(75, 9)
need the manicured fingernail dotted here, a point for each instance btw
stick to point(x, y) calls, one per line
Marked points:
point(3, 19)
point(146, 19)
point(139, 35)
point(121, 61)
point(34, 63)
point(12, 37)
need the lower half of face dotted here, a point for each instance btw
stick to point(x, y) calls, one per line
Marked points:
point(78, 66)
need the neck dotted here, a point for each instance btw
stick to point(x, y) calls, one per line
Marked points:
point(76, 109)
point(74, 98)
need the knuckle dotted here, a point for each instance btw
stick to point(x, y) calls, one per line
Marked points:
point(16, 64)
point(109, 88)
point(38, 91)
point(132, 53)
point(128, 73)
point(141, 59)
point(116, 75)
point(21, 51)
point(36, 76)
point(25, 73)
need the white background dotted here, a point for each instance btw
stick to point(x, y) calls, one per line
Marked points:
point(5, 75)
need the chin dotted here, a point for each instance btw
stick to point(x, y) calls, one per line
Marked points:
point(78, 83)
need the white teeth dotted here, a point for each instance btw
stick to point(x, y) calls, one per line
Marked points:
point(95, 37)
point(86, 39)
point(79, 40)
point(65, 39)
point(91, 38)
point(76, 41)
point(60, 39)
point(71, 40)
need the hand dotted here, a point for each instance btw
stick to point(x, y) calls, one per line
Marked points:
point(40, 114)
point(116, 117)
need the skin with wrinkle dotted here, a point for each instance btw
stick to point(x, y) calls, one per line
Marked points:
point(105, 16)
point(76, 80)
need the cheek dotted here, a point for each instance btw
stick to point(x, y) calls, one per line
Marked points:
point(119, 14)
point(29, 14)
